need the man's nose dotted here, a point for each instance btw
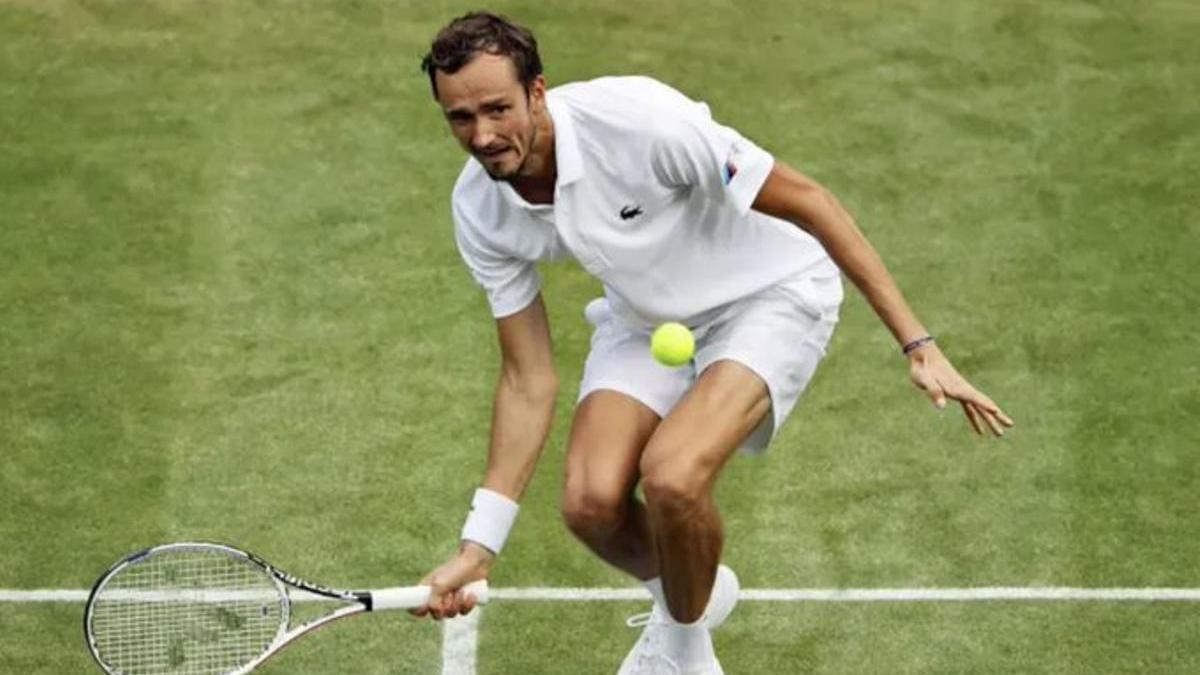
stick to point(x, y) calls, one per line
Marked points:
point(483, 137)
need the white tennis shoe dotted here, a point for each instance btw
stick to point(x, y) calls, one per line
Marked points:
point(651, 654)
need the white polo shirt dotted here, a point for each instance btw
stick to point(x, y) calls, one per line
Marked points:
point(653, 198)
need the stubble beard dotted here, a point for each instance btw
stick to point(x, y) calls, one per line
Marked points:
point(518, 171)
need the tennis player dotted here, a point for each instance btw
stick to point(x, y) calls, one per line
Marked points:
point(681, 219)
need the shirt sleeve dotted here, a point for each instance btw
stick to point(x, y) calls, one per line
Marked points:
point(511, 283)
point(690, 150)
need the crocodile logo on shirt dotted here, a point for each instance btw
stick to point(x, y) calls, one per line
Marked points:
point(628, 212)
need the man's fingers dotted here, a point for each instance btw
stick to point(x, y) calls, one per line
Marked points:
point(1004, 419)
point(469, 604)
point(982, 416)
point(461, 604)
point(981, 401)
point(441, 611)
point(987, 409)
point(453, 604)
point(972, 417)
point(435, 608)
point(1001, 418)
point(995, 425)
point(449, 605)
point(983, 406)
point(445, 602)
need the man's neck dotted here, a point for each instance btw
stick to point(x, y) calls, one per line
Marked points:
point(538, 186)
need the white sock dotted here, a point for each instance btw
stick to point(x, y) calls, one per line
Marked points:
point(656, 591)
point(689, 644)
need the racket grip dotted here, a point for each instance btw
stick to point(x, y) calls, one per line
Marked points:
point(479, 589)
point(411, 597)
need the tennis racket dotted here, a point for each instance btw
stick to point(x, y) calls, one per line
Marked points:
point(207, 609)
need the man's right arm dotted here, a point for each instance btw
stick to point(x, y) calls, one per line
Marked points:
point(522, 411)
point(524, 400)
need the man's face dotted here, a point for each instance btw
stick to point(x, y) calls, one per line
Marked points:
point(490, 114)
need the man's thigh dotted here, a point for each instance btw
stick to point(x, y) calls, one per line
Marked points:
point(780, 334)
point(609, 431)
point(690, 446)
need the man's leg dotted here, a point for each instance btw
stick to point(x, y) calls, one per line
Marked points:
point(679, 469)
point(608, 435)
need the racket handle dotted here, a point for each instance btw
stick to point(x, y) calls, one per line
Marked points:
point(411, 597)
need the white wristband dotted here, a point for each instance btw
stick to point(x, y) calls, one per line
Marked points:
point(491, 518)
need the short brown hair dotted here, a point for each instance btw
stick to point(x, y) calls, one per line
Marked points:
point(477, 33)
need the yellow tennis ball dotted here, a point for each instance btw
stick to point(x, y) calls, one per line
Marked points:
point(672, 344)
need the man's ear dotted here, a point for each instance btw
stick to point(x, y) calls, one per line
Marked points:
point(536, 92)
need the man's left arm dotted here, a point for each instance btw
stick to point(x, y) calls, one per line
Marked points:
point(792, 196)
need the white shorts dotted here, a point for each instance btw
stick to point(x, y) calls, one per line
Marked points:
point(780, 333)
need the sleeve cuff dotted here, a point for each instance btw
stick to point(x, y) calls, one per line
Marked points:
point(753, 166)
point(515, 296)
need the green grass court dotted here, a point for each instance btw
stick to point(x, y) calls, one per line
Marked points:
point(231, 309)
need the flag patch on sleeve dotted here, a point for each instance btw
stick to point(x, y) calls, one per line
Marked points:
point(731, 168)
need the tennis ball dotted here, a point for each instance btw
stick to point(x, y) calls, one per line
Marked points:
point(672, 344)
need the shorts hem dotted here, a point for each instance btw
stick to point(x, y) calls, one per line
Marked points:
point(621, 388)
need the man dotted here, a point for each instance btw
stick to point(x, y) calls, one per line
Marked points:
point(683, 220)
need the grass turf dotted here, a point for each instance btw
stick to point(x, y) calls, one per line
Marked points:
point(232, 310)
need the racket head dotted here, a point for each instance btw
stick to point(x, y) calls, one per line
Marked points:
point(188, 608)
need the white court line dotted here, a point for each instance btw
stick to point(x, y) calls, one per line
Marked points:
point(977, 594)
point(460, 636)
point(459, 661)
point(460, 639)
point(992, 593)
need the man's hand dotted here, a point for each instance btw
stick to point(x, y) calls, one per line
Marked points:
point(931, 371)
point(471, 563)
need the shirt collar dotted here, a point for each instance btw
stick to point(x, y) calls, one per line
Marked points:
point(567, 158)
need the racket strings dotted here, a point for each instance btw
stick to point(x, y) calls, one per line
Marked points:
point(186, 612)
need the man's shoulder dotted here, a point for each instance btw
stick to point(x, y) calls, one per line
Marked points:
point(474, 191)
point(631, 94)
point(625, 112)
point(620, 86)
point(470, 178)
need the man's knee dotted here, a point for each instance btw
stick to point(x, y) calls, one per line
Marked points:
point(591, 513)
point(680, 485)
